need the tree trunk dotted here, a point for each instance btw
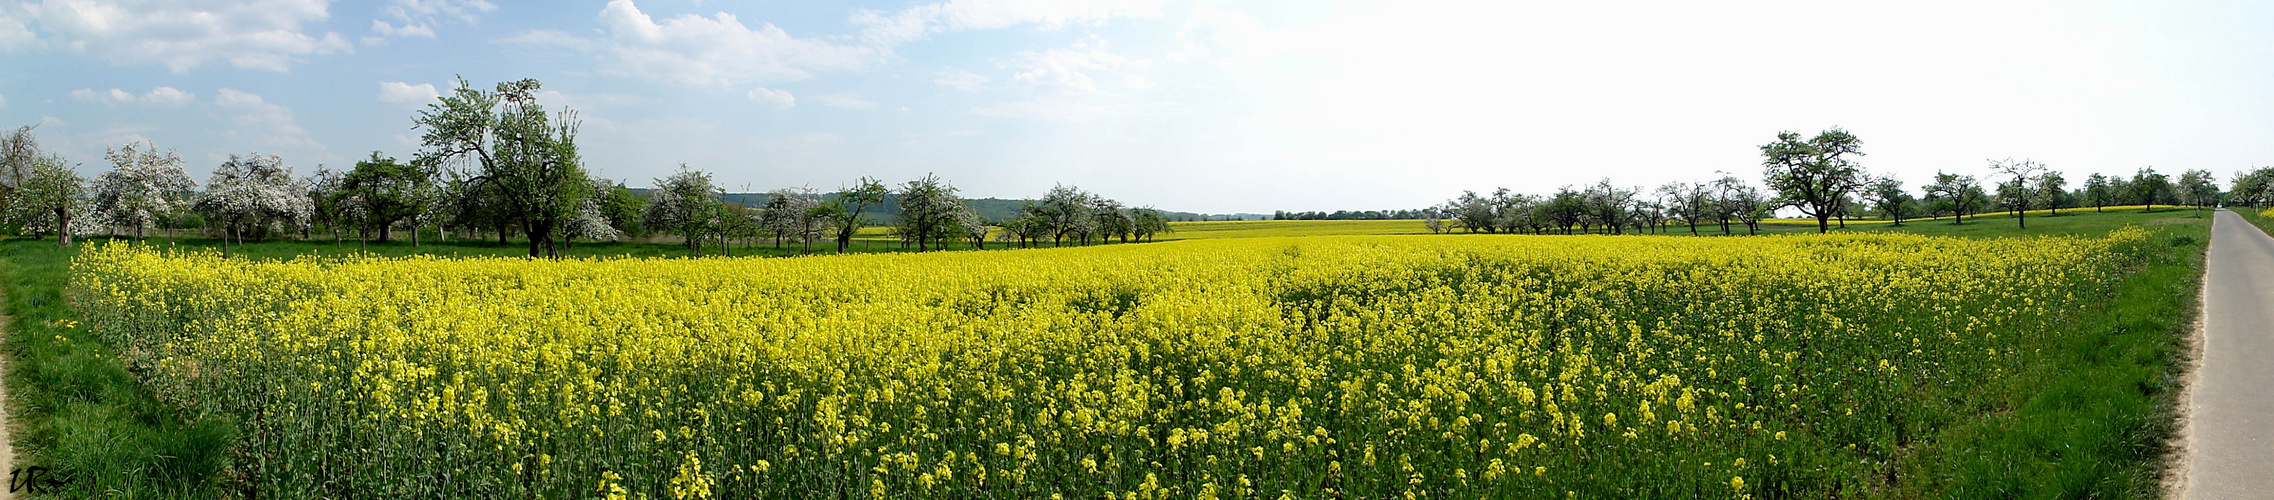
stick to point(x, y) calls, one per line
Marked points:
point(63, 226)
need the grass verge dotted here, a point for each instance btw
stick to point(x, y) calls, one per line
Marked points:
point(77, 410)
point(2093, 420)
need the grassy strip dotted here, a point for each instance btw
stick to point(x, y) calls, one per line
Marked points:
point(2093, 422)
point(76, 407)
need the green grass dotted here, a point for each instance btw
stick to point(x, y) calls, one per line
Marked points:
point(2090, 425)
point(2093, 422)
point(76, 409)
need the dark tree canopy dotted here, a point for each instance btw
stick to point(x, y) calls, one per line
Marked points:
point(1814, 175)
point(387, 190)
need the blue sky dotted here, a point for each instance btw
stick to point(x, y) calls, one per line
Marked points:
point(1179, 104)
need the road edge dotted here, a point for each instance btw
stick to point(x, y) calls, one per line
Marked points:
point(2177, 448)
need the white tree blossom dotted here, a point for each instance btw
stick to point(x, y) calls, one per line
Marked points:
point(590, 223)
point(143, 188)
point(256, 191)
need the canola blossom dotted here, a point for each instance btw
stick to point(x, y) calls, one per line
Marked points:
point(1322, 367)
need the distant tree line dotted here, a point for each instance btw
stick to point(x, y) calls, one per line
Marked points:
point(496, 163)
point(1352, 215)
point(1820, 177)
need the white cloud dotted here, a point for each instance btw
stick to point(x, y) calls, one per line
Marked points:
point(697, 50)
point(960, 80)
point(779, 99)
point(1227, 37)
point(1078, 83)
point(1071, 109)
point(915, 23)
point(13, 33)
point(1071, 68)
point(264, 125)
point(182, 35)
point(847, 101)
point(407, 29)
point(167, 97)
point(464, 10)
point(418, 17)
point(404, 93)
point(3, 101)
point(162, 96)
point(90, 95)
point(233, 98)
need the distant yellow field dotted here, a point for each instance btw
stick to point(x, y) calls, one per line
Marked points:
point(1250, 229)
point(1266, 228)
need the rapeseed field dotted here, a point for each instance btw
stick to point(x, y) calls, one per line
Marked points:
point(1318, 367)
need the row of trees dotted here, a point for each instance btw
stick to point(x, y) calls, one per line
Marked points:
point(496, 160)
point(928, 215)
point(1820, 178)
point(1352, 215)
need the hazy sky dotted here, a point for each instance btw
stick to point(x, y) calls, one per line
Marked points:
point(1182, 105)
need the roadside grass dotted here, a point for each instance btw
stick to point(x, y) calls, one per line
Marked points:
point(77, 410)
point(2089, 422)
point(2093, 418)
